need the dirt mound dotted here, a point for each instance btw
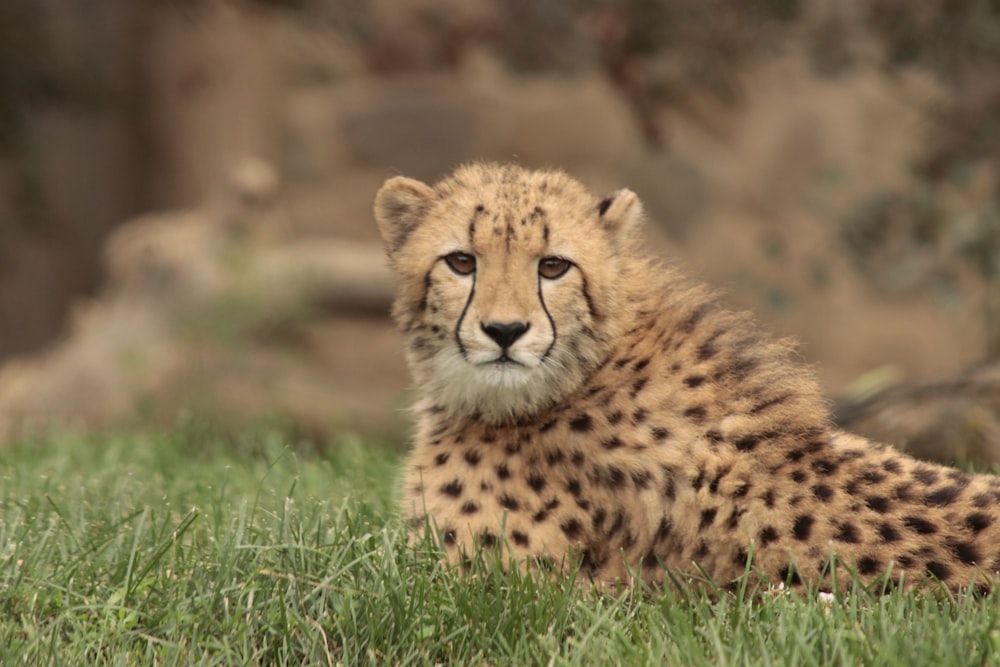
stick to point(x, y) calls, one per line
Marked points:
point(215, 309)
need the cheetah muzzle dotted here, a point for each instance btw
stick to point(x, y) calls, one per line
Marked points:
point(580, 400)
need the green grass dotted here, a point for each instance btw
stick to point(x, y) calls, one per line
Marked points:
point(197, 547)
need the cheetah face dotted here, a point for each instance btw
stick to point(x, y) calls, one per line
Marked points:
point(506, 285)
point(506, 330)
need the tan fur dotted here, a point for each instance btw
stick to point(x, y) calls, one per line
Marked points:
point(645, 427)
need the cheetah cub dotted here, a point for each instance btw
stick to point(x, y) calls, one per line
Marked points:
point(582, 403)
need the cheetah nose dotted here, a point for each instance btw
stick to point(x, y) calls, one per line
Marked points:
point(505, 333)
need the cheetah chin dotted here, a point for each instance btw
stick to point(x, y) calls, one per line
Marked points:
point(640, 427)
point(496, 390)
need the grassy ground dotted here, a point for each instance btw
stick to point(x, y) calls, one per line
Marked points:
point(196, 547)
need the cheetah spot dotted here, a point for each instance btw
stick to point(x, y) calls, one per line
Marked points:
point(825, 467)
point(982, 500)
point(571, 529)
point(659, 433)
point(619, 522)
point(789, 576)
point(919, 525)
point(872, 476)
point(978, 521)
point(509, 502)
point(733, 521)
point(694, 381)
point(554, 457)
point(867, 565)
point(611, 443)
point(848, 533)
point(664, 529)
point(770, 403)
point(713, 486)
point(802, 527)
point(638, 386)
point(591, 562)
point(768, 535)
point(452, 488)
point(696, 413)
point(943, 497)
point(822, 492)
point(615, 477)
point(939, 571)
point(888, 533)
point(581, 423)
point(891, 465)
point(965, 552)
point(536, 482)
point(878, 504)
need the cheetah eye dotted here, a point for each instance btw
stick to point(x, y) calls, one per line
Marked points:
point(461, 263)
point(553, 267)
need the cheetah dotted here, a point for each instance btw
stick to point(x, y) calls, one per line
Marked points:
point(583, 402)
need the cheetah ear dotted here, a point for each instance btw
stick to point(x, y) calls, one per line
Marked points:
point(400, 205)
point(621, 211)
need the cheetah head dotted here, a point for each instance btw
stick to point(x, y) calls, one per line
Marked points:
point(510, 284)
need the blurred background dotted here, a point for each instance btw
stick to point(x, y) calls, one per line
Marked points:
point(186, 186)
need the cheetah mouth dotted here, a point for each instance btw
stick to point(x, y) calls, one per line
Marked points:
point(503, 361)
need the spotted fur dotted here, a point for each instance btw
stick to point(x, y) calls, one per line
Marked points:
point(617, 415)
